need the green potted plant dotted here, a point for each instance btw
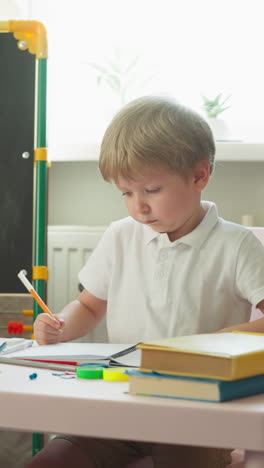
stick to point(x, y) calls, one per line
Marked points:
point(122, 75)
point(116, 77)
point(212, 109)
point(121, 78)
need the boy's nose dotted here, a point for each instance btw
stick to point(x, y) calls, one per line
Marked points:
point(141, 206)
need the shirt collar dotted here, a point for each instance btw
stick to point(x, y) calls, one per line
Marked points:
point(194, 238)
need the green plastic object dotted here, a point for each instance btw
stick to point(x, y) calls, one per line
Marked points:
point(90, 372)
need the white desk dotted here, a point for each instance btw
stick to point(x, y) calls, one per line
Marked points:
point(103, 409)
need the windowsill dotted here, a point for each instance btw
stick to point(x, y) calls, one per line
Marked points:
point(225, 151)
point(239, 151)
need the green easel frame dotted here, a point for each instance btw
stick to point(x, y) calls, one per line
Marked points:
point(32, 35)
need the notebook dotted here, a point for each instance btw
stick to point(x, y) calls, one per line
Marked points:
point(191, 388)
point(112, 354)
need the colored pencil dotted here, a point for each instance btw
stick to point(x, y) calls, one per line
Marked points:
point(33, 292)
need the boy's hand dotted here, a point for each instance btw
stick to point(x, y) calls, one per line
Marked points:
point(48, 330)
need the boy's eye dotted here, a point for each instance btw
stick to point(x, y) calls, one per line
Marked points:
point(126, 194)
point(154, 190)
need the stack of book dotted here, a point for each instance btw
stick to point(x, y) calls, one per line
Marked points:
point(208, 367)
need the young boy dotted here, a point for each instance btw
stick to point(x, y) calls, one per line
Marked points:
point(172, 268)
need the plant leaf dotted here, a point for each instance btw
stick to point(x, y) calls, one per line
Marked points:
point(98, 67)
point(132, 65)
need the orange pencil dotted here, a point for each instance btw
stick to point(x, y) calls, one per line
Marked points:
point(31, 290)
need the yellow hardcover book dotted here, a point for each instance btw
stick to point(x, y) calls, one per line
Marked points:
point(223, 356)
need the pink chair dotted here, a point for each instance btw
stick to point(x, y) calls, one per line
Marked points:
point(237, 459)
point(237, 455)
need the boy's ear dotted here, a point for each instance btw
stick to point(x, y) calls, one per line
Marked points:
point(201, 175)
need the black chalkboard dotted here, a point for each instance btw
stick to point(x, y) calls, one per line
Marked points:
point(17, 90)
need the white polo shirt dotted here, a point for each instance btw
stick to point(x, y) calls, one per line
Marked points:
point(155, 288)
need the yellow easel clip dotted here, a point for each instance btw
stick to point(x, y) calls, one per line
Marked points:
point(40, 273)
point(40, 154)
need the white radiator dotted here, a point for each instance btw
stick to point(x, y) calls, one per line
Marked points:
point(68, 249)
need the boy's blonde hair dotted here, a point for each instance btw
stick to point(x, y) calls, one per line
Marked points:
point(155, 131)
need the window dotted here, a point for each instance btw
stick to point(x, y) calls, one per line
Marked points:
point(185, 49)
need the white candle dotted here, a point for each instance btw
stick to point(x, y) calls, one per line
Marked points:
point(247, 220)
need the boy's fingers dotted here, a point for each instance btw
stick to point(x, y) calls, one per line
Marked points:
point(46, 321)
point(56, 323)
point(47, 329)
point(62, 322)
point(59, 323)
point(44, 338)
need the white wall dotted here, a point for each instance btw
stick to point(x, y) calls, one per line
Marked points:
point(14, 9)
point(79, 195)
